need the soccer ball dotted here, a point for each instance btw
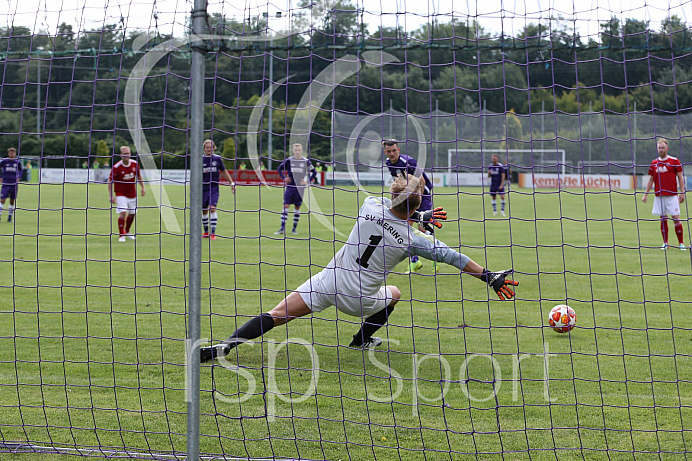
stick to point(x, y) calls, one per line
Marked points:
point(562, 318)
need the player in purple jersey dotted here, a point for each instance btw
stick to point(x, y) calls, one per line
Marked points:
point(10, 172)
point(398, 165)
point(212, 169)
point(497, 173)
point(295, 171)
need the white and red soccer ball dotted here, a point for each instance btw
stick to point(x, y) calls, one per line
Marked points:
point(562, 318)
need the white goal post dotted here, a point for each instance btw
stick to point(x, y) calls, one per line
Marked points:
point(453, 155)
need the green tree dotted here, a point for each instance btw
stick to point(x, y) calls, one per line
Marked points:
point(673, 34)
point(457, 98)
point(449, 43)
point(547, 49)
point(513, 128)
point(494, 85)
point(102, 150)
point(65, 39)
point(228, 153)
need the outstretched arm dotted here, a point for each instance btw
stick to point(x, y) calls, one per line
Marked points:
point(430, 248)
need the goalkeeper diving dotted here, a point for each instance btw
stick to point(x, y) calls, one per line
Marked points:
point(355, 279)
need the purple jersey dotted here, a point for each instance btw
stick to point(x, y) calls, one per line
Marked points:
point(409, 165)
point(11, 170)
point(496, 172)
point(212, 167)
point(297, 169)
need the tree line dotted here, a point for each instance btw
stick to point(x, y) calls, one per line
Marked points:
point(63, 94)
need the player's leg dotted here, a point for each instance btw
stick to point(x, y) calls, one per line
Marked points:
point(671, 206)
point(502, 203)
point(121, 209)
point(122, 217)
point(213, 221)
point(664, 231)
point(297, 203)
point(205, 222)
point(493, 201)
point(130, 218)
point(658, 209)
point(284, 212)
point(290, 308)
point(678, 231)
point(296, 218)
point(364, 338)
point(213, 218)
point(10, 210)
point(416, 263)
point(3, 198)
point(206, 199)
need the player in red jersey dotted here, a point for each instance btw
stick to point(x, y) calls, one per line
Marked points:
point(666, 173)
point(123, 179)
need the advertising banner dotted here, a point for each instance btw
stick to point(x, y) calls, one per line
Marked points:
point(466, 179)
point(576, 181)
point(167, 177)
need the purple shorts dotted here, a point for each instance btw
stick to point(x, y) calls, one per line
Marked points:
point(425, 203)
point(210, 198)
point(293, 196)
point(496, 190)
point(8, 190)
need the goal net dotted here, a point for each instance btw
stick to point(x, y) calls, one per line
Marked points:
point(531, 160)
point(95, 286)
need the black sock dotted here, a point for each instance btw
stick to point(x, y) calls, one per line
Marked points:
point(371, 325)
point(253, 328)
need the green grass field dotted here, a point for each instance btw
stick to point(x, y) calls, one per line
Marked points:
point(92, 333)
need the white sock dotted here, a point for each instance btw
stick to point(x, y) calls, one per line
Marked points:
point(284, 218)
point(212, 221)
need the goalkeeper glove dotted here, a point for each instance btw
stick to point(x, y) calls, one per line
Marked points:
point(430, 218)
point(498, 282)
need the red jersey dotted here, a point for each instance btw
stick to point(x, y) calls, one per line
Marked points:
point(124, 178)
point(664, 171)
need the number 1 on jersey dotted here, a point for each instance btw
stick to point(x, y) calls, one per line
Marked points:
point(374, 241)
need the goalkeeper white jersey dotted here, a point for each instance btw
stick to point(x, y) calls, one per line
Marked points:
point(378, 242)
